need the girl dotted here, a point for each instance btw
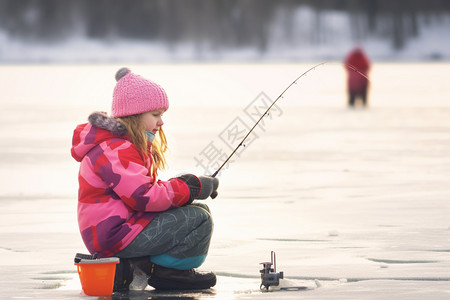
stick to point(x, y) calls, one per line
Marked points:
point(123, 209)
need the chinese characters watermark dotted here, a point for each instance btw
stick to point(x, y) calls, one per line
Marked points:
point(214, 155)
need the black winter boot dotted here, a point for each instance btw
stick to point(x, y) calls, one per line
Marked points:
point(163, 278)
point(123, 276)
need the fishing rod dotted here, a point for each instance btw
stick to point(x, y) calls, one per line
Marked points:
point(273, 103)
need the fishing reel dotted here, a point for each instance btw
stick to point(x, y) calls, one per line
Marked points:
point(269, 275)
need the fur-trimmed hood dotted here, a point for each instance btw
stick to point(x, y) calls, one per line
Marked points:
point(100, 119)
point(100, 128)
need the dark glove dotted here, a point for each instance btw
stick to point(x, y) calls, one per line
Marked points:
point(200, 187)
point(209, 187)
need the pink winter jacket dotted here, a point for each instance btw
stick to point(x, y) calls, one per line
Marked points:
point(117, 196)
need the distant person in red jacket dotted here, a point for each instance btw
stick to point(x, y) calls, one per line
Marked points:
point(357, 84)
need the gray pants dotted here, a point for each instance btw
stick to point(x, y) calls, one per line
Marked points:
point(178, 238)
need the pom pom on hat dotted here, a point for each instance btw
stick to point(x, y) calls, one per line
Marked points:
point(134, 94)
point(122, 72)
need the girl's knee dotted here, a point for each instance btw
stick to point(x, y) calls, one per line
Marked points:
point(203, 214)
point(201, 205)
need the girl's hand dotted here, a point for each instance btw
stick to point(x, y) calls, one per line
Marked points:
point(200, 187)
point(209, 187)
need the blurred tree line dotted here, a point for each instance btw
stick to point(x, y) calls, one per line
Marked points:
point(219, 23)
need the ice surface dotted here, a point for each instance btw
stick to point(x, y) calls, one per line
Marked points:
point(352, 200)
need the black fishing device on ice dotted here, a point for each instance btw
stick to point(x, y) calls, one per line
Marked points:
point(269, 275)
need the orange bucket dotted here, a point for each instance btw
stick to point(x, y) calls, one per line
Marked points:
point(97, 275)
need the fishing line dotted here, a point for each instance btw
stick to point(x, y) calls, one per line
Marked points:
point(273, 103)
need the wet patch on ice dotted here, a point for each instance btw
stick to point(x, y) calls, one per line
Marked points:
point(333, 233)
point(397, 261)
point(60, 272)
point(12, 250)
point(51, 286)
point(54, 279)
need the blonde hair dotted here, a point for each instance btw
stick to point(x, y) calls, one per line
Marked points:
point(136, 131)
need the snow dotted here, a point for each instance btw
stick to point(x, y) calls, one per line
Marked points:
point(305, 37)
point(353, 201)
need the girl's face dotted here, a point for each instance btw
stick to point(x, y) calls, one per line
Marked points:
point(153, 120)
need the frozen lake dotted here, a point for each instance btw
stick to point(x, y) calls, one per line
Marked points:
point(357, 199)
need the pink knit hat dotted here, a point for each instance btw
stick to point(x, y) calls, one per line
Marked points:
point(134, 94)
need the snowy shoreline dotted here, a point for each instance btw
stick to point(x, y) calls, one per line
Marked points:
point(431, 46)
